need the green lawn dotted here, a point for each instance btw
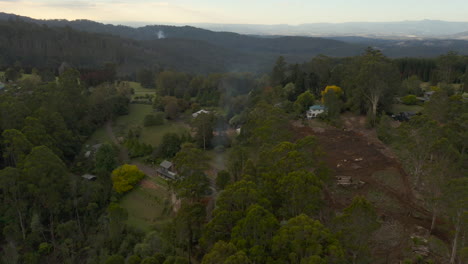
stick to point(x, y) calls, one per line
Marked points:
point(148, 206)
point(153, 135)
point(135, 118)
point(149, 135)
point(99, 136)
point(139, 90)
point(397, 108)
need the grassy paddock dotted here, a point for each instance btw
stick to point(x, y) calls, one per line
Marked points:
point(139, 90)
point(148, 206)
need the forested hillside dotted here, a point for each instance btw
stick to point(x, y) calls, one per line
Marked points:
point(185, 48)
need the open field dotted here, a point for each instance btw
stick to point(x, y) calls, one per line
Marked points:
point(139, 90)
point(149, 135)
point(148, 204)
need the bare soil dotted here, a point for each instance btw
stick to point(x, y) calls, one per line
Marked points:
point(356, 151)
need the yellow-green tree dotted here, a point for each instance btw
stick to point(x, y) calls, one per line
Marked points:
point(338, 91)
point(125, 177)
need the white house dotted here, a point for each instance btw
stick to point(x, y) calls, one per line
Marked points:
point(314, 111)
point(203, 111)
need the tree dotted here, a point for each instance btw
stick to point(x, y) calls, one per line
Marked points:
point(409, 99)
point(170, 145)
point(190, 160)
point(222, 179)
point(191, 164)
point(48, 183)
point(355, 227)
point(37, 134)
point(172, 110)
point(188, 224)
point(456, 200)
point(333, 104)
point(117, 217)
point(12, 187)
point(304, 240)
point(17, 146)
point(125, 177)
point(412, 85)
point(106, 159)
point(376, 78)
point(225, 253)
point(134, 259)
point(12, 74)
point(203, 124)
point(115, 259)
point(231, 206)
point(416, 139)
point(304, 101)
point(329, 88)
point(146, 78)
point(278, 76)
point(301, 193)
point(254, 233)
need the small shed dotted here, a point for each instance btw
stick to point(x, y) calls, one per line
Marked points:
point(89, 177)
point(166, 170)
point(2, 86)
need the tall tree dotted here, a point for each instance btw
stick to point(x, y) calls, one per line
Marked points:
point(355, 227)
point(456, 200)
point(204, 123)
point(254, 233)
point(17, 146)
point(305, 240)
point(48, 183)
point(278, 76)
point(377, 78)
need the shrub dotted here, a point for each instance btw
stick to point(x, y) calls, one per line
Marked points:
point(125, 177)
point(409, 99)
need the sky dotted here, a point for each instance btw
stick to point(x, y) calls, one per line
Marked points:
point(291, 12)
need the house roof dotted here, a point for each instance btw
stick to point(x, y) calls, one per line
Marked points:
point(166, 164)
point(89, 177)
point(317, 107)
point(168, 174)
point(203, 111)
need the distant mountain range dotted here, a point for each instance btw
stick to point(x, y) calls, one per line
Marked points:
point(403, 29)
point(199, 50)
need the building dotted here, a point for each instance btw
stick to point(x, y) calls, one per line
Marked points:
point(315, 110)
point(89, 177)
point(166, 170)
point(203, 111)
point(426, 97)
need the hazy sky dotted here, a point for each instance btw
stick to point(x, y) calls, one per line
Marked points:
point(240, 11)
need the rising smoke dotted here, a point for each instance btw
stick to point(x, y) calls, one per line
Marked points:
point(161, 34)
